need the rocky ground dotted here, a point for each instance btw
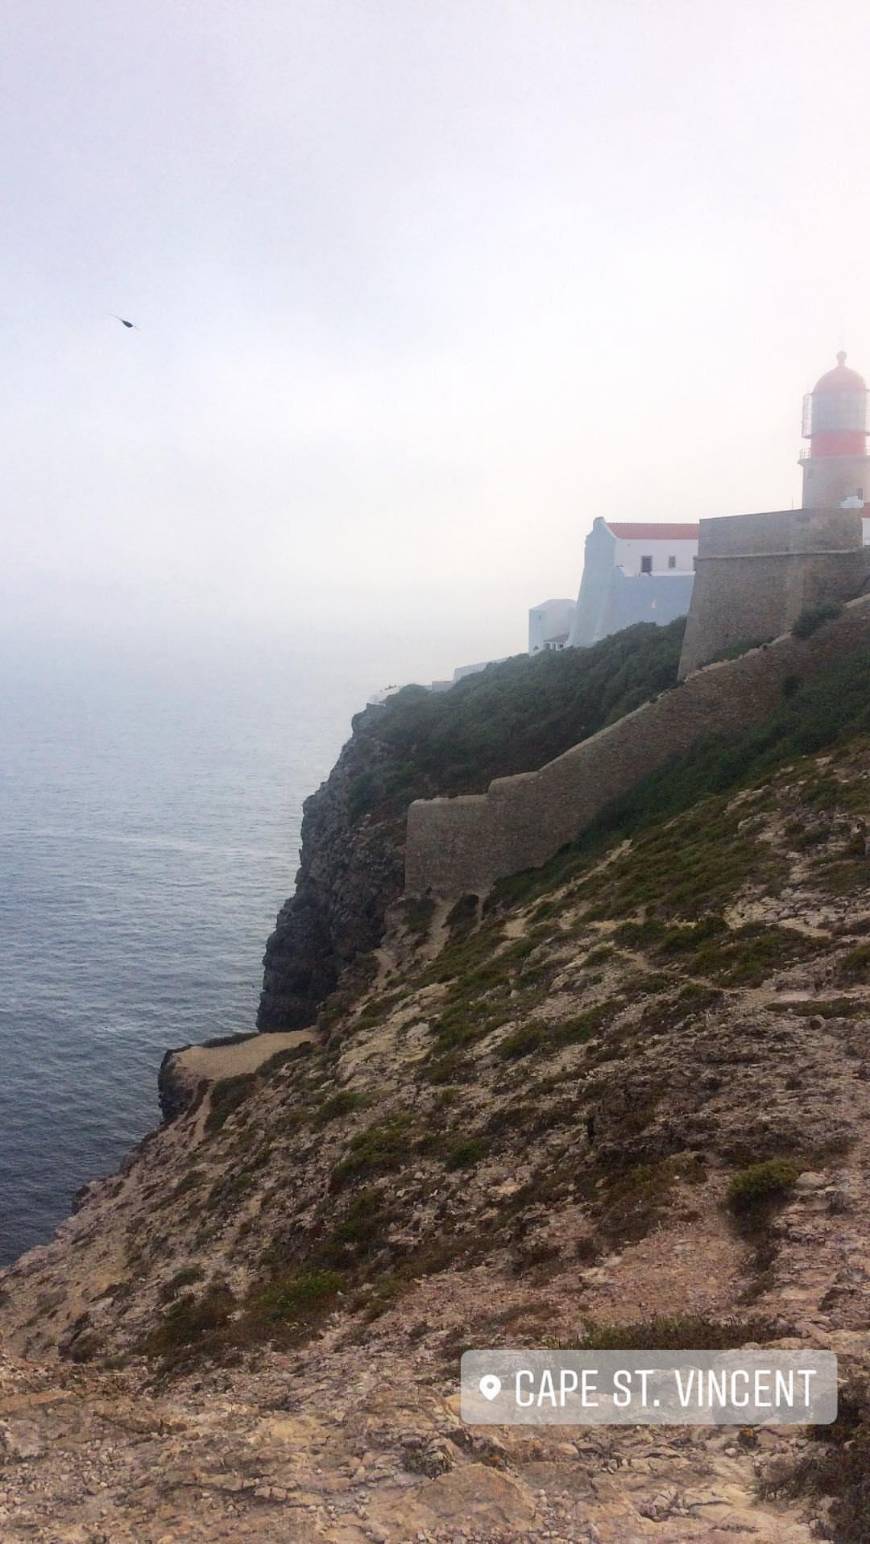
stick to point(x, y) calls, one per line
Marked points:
point(533, 1124)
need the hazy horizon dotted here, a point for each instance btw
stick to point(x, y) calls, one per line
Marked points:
point(421, 289)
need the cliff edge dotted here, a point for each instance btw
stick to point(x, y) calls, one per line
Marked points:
point(509, 718)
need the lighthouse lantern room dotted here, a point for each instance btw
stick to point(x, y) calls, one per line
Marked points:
point(836, 467)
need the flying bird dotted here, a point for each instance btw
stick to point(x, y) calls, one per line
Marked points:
point(125, 323)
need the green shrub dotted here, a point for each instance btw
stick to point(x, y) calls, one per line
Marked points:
point(734, 650)
point(380, 1149)
point(360, 1232)
point(226, 1096)
point(186, 1277)
point(444, 1067)
point(814, 617)
point(465, 1153)
point(418, 914)
point(522, 1042)
point(343, 1103)
point(755, 1189)
point(582, 1027)
point(683, 1332)
point(300, 1298)
point(190, 1322)
point(632, 1201)
point(746, 956)
point(291, 1053)
point(856, 965)
point(462, 916)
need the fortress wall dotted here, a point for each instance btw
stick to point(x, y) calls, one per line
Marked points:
point(755, 574)
point(455, 846)
point(781, 530)
point(743, 599)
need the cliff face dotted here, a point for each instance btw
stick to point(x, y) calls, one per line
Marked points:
point(351, 870)
point(510, 718)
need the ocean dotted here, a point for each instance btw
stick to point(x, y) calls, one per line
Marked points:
point(149, 831)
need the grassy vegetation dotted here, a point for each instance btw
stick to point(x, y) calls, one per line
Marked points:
point(856, 965)
point(418, 912)
point(300, 1298)
point(359, 1234)
point(186, 1277)
point(287, 1309)
point(379, 1149)
point(522, 1041)
point(628, 1203)
point(190, 1322)
point(831, 1008)
point(814, 617)
point(834, 1464)
point(466, 1152)
point(226, 1096)
point(509, 718)
point(709, 853)
point(683, 1332)
point(345, 1102)
point(463, 915)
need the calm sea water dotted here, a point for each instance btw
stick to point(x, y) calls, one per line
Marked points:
point(149, 830)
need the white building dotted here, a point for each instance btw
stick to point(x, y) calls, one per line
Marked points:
point(550, 625)
point(633, 572)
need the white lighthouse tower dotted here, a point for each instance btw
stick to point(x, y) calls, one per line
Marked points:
point(836, 466)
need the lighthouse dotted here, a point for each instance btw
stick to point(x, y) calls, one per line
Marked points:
point(836, 466)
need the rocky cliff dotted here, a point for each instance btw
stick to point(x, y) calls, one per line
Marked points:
point(628, 1104)
point(350, 871)
point(509, 718)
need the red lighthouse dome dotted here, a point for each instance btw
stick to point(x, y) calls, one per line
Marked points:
point(835, 413)
point(841, 378)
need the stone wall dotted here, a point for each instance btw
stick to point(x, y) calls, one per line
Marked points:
point(755, 574)
point(456, 846)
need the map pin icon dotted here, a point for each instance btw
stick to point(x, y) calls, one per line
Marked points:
point(490, 1385)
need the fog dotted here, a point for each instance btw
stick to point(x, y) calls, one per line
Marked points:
point(421, 287)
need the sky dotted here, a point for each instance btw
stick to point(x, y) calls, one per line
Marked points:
point(421, 287)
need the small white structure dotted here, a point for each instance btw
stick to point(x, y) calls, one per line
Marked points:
point(550, 625)
point(462, 671)
point(633, 572)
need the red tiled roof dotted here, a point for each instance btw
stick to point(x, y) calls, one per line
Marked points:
point(629, 531)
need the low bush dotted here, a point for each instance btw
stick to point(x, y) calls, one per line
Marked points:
point(300, 1298)
point(683, 1332)
point(465, 1153)
point(343, 1103)
point(379, 1149)
point(522, 1042)
point(814, 617)
point(631, 1201)
point(418, 913)
point(582, 1027)
point(190, 1322)
point(360, 1233)
point(186, 1277)
point(754, 1190)
point(226, 1096)
point(856, 965)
